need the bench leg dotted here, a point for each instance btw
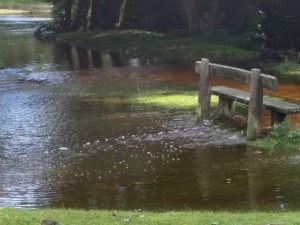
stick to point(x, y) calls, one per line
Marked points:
point(225, 108)
point(277, 118)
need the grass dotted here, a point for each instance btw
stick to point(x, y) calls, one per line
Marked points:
point(187, 100)
point(281, 138)
point(183, 100)
point(166, 48)
point(165, 97)
point(12, 11)
point(19, 2)
point(176, 49)
point(171, 99)
point(23, 6)
point(149, 99)
point(39, 7)
point(286, 67)
point(80, 217)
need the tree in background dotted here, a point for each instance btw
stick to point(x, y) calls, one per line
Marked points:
point(67, 20)
point(86, 14)
point(96, 15)
point(83, 15)
point(156, 15)
point(257, 21)
point(191, 16)
point(282, 24)
point(113, 12)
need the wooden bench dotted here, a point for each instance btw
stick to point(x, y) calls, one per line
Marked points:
point(279, 108)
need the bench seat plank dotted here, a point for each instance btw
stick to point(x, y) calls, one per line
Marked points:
point(272, 104)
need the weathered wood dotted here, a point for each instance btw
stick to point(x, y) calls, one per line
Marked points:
point(231, 93)
point(255, 106)
point(225, 108)
point(204, 91)
point(241, 75)
point(281, 106)
point(277, 118)
point(280, 109)
point(276, 105)
point(269, 82)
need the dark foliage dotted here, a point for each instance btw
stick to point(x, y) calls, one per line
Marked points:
point(256, 22)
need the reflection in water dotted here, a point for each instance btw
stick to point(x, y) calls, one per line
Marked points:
point(118, 59)
point(97, 59)
point(83, 58)
point(69, 137)
point(78, 58)
point(255, 180)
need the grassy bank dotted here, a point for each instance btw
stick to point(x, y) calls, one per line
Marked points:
point(173, 49)
point(38, 7)
point(167, 48)
point(286, 67)
point(77, 217)
point(281, 138)
point(12, 11)
point(9, 3)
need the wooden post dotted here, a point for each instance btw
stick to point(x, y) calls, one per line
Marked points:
point(255, 105)
point(204, 91)
point(277, 118)
point(225, 107)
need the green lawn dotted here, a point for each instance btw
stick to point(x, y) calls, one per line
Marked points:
point(78, 217)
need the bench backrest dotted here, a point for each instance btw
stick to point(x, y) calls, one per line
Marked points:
point(244, 76)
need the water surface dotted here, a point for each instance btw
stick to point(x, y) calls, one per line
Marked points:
point(69, 137)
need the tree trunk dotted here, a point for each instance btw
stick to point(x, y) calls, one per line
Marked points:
point(191, 16)
point(82, 19)
point(68, 15)
point(238, 14)
point(113, 14)
point(96, 15)
point(214, 13)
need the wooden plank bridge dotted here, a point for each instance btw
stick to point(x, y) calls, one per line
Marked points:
point(255, 98)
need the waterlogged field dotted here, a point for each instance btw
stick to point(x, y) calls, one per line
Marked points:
point(100, 130)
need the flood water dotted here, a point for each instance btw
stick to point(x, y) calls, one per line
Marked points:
point(70, 138)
